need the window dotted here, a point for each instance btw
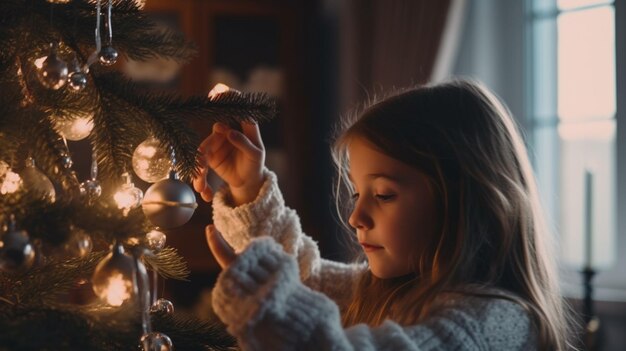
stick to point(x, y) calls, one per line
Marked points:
point(572, 110)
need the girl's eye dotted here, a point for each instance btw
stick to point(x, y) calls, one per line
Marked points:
point(354, 196)
point(385, 197)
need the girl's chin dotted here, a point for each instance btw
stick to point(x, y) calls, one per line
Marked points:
point(388, 274)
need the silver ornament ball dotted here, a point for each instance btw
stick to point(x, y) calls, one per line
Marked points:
point(108, 55)
point(77, 81)
point(79, 244)
point(53, 72)
point(90, 190)
point(162, 306)
point(156, 341)
point(169, 203)
point(67, 162)
point(156, 240)
point(37, 182)
point(17, 252)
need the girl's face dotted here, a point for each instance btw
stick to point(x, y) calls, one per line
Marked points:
point(394, 214)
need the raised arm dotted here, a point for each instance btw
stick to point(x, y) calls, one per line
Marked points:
point(251, 205)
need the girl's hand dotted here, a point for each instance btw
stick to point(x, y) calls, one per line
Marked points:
point(223, 253)
point(236, 157)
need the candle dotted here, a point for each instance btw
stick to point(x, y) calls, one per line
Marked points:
point(588, 218)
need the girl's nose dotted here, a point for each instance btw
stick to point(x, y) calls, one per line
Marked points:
point(359, 219)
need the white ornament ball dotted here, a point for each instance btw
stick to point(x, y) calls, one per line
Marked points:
point(151, 162)
point(74, 128)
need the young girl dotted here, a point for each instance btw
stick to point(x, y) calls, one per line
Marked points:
point(445, 207)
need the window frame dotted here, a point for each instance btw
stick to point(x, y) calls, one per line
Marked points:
point(610, 284)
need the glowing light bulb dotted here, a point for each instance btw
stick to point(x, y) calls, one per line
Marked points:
point(128, 197)
point(76, 128)
point(219, 88)
point(113, 279)
point(11, 183)
point(118, 290)
point(39, 62)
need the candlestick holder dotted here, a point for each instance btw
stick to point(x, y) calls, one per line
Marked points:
point(591, 322)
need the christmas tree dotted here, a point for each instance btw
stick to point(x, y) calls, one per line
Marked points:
point(61, 231)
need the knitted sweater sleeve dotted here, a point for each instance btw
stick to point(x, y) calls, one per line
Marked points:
point(267, 215)
point(263, 303)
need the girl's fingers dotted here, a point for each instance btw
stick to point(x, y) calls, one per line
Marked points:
point(216, 140)
point(201, 186)
point(224, 253)
point(207, 194)
point(217, 133)
point(245, 145)
point(218, 157)
point(199, 182)
point(251, 130)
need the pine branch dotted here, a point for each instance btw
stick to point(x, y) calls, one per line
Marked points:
point(106, 221)
point(111, 137)
point(98, 328)
point(190, 333)
point(166, 114)
point(69, 328)
point(44, 284)
point(135, 35)
point(168, 263)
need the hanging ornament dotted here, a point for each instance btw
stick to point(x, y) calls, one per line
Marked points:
point(77, 78)
point(36, 181)
point(67, 162)
point(74, 128)
point(53, 72)
point(16, 251)
point(155, 240)
point(169, 203)
point(79, 244)
point(10, 181)
point(128, 197)
point(108, 55)
point(114, 277)
point(90, 189)
point(162, 306)
point(156, 341)
point(151, 161)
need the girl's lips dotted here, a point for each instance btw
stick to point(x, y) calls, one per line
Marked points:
point(369, 248)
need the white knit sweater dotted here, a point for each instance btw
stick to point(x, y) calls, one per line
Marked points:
point(280, 295)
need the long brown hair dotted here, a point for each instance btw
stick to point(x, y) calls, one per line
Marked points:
point(492, 234)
